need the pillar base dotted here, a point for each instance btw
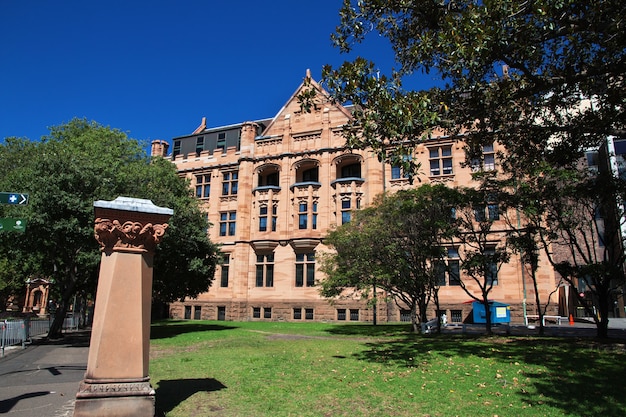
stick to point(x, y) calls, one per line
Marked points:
point(115, 399)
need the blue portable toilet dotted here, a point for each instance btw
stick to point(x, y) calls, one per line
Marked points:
point(500, 312)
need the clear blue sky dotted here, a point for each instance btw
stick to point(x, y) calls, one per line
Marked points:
point(154, 68)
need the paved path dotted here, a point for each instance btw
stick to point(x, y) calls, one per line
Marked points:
point(42, 380)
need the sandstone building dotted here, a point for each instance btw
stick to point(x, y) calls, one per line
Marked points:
point(272, 188)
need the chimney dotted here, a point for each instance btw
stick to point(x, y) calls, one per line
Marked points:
point(159, 148)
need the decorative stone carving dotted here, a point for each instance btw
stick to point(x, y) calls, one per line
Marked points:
point(111, 234)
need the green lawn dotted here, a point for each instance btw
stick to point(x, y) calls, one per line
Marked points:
point(210, 368)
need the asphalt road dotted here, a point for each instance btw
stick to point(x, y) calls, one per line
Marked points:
point(42, 380)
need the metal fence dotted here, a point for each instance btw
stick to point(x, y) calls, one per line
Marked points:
point(21, 331)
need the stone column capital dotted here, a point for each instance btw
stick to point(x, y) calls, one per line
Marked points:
point(130, 224)
point(132, 236)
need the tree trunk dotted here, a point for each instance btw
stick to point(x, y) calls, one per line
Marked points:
point(414, 320)
point(602, 322)
point(537, 301)
point(56, 327)
point(487, 316)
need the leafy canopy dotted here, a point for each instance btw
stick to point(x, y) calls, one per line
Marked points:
point(76, 164)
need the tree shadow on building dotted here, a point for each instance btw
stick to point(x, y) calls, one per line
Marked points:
point(171, 392)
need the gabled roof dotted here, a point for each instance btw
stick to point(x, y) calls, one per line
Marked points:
point(293, 104)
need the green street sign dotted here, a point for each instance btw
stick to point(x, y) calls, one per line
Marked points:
point(12, 225)
point(18, 199)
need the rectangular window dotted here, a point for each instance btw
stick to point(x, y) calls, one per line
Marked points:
point(225, 268)
point(199, 145)
point(221, 313)
point(405, 315)
point(274, 217)
point(479, 213)
point(308, 313)
point(439, 269)
point(228, 223)
point(197, 312)
point(263, 219)
point(297, 313)
point(304, 211)
point(256, 312)
point(230, 183)
point(341, 314)
point(493, 211)
point(491, 267)
point(397, 171)
point(176, 149)
point(203, 185)
point(456, 316)
point(486, 161)
point(267, 312)
point(454, 271)
point(310, 175)
point(354, 314)
point(303, 215)
point(489, 158)
point(305, 269)
point(265, 270)
point(221, 141)
point(187, 312)
point(440, 159)
point(345, 211)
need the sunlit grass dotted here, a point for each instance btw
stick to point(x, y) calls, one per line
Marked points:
point(315, 369)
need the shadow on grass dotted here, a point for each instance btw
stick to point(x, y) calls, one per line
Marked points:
point(172, 392)
point(365, 330)
point(164, 330)
point(580, 377)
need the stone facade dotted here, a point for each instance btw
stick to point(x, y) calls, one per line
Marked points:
point(272, 189)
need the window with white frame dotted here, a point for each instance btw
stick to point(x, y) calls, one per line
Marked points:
point(440, 160)
point(486, 161)
point(398, 172)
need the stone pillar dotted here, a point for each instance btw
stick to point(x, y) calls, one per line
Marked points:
point(116, 383)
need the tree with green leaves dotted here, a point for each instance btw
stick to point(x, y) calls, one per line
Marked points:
point(580, 228)
point(480, 237)
point(76, 164)
point(543, 79)
point(395, 245)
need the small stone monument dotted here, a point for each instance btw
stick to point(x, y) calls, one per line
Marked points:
point(116, 383)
